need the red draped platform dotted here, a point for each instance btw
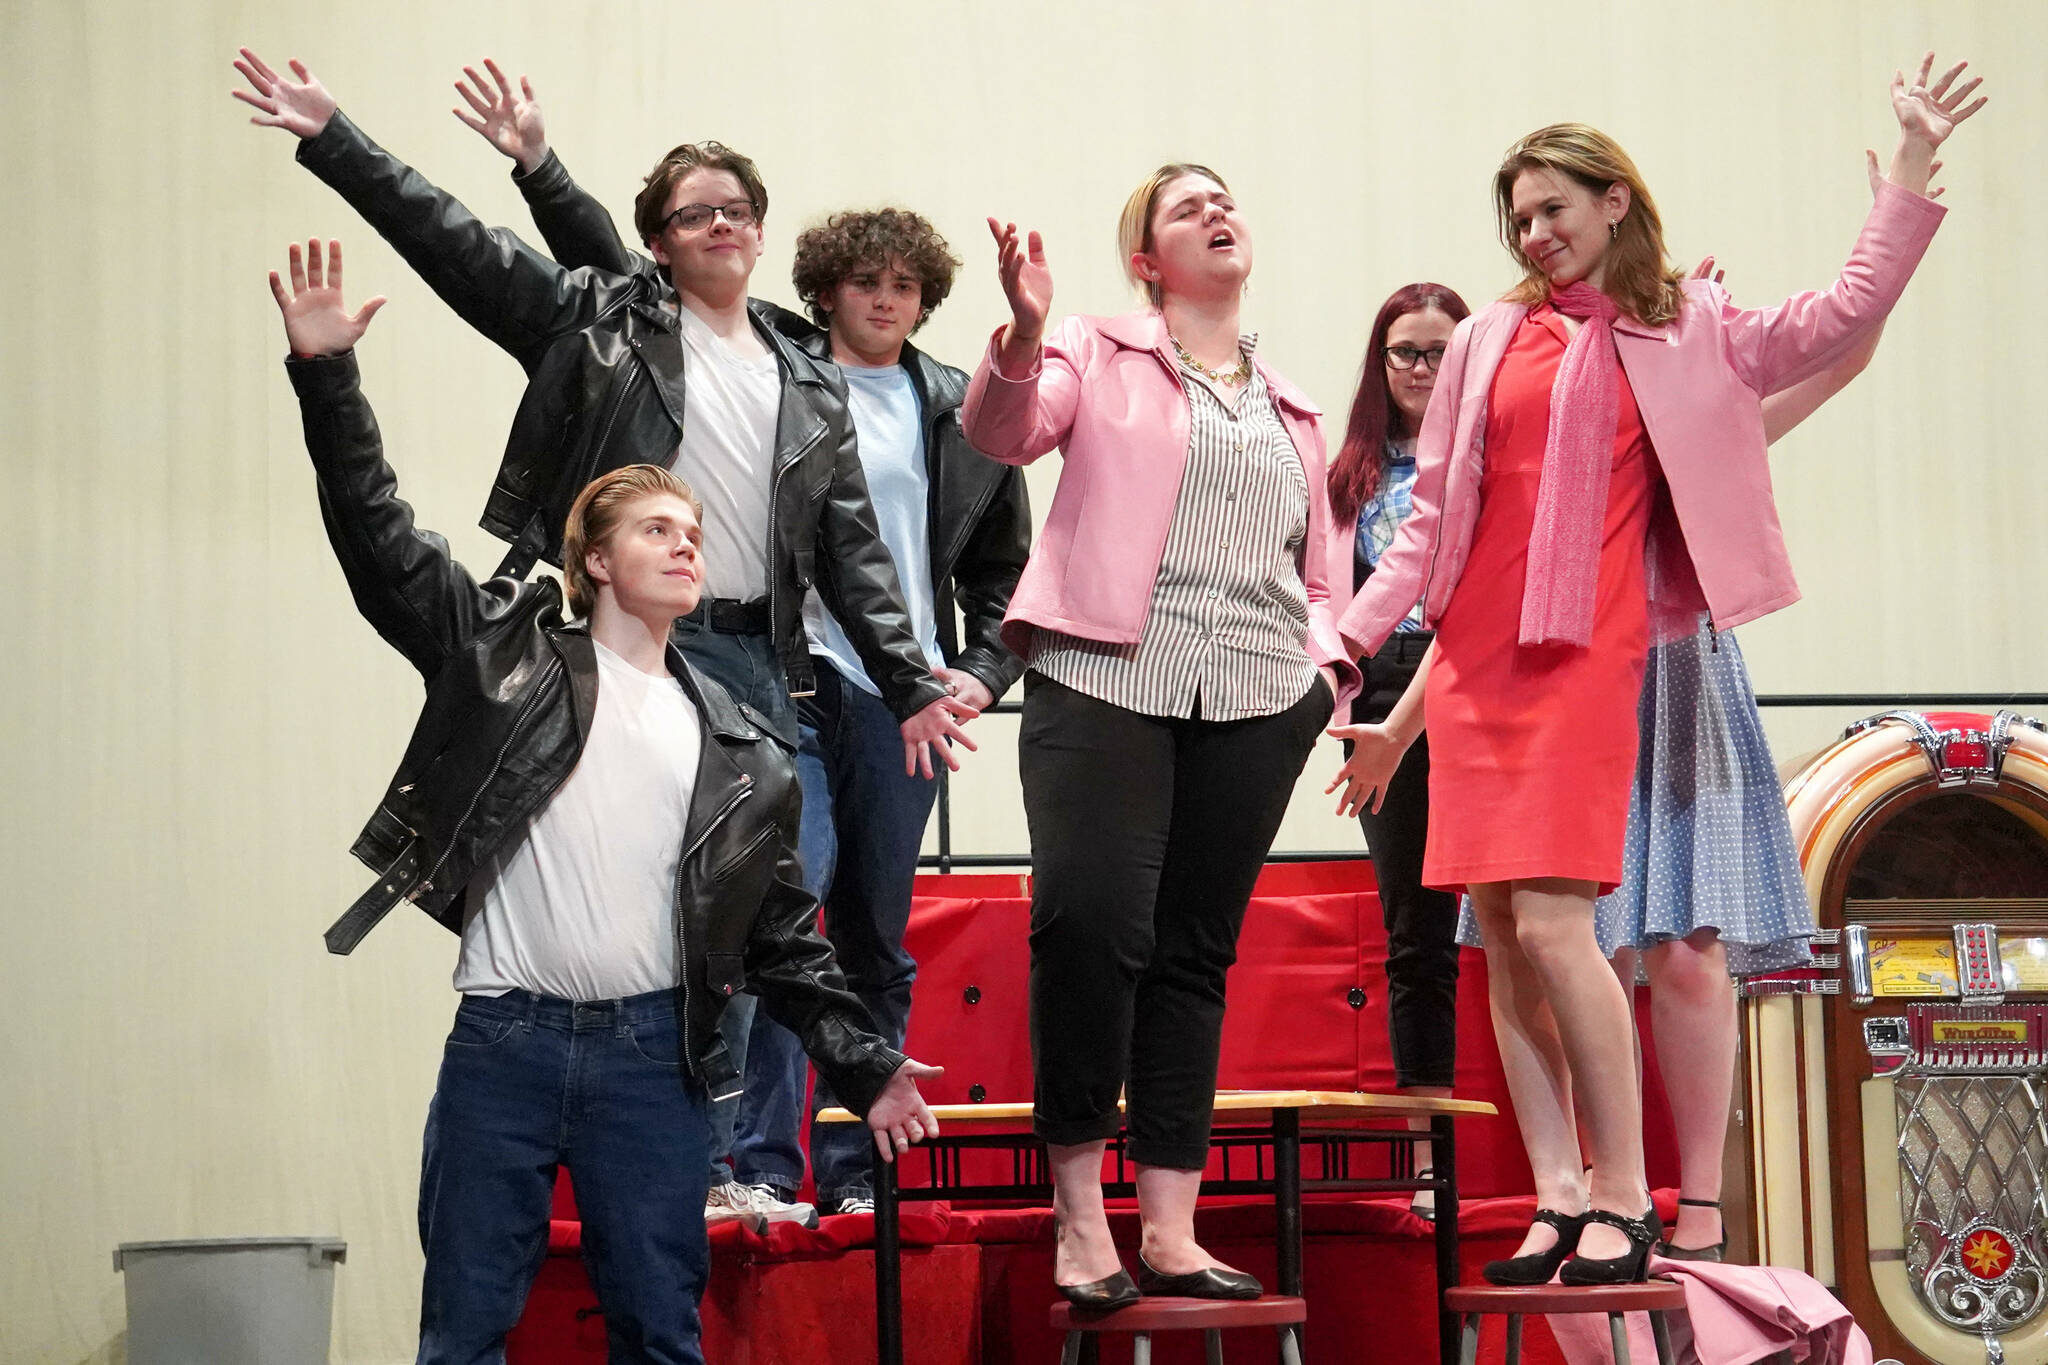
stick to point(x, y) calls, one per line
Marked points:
point(1307, 1011)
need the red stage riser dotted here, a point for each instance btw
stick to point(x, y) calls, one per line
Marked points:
point(1312, 935)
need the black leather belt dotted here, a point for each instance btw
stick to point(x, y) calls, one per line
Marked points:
point(733, 616)
point(1406, 647)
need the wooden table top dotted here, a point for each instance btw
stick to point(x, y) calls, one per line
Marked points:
point(1322, 1106)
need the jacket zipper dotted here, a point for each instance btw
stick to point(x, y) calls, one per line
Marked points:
point(775, 560)
point(682, 934)
point(518, 722)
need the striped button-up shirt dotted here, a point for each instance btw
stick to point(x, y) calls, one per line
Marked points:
point(1226, 636)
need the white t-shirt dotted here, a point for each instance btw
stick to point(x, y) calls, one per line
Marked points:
point(728, 455)
point(889, 424)
point(583, 907)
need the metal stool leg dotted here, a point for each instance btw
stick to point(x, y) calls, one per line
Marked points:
point(1468, 1340)
point(1514, 1355)
point(1141, 1348)
point(1660, 1332)
point(1617, 1327)
point(1070, 1350)
point(1212, 1344)
point(1290, 1347)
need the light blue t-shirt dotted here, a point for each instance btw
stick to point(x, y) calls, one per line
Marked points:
point(889, 429)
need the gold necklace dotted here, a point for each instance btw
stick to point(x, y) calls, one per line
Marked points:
point(1232, 378)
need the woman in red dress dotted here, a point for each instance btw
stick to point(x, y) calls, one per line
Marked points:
point(1539, 489)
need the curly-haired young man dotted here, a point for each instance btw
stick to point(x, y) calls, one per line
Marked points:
point(958, 527)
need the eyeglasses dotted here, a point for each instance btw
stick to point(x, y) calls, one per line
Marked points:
point(690, 217)
point(1407, 357)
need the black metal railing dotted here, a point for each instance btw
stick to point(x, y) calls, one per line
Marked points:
point(946, 860)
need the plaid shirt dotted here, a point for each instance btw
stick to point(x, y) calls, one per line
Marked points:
point(1381, 516)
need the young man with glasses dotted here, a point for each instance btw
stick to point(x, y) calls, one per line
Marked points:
point(592, 969)
point(673, 365)
point(959, 529)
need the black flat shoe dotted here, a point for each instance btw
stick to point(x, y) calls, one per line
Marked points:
point(1714, 1253)
point(1632, 1266)
point(1212, 1283)
point(1538, 1266)
point(1104, 1295)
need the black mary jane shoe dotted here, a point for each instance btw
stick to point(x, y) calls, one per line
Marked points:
point(1102, 1296)
point(1632, 1266)
point(1212, 1283)
point(1538, 1266)
point(1715, 1253)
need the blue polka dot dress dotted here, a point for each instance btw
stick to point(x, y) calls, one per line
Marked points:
point(1708, 844)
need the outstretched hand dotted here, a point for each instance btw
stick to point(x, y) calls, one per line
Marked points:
point(316, 322)
point(510, 122)
point(1027, 281)
point(300, 107)
point(1376, 754)
point(937, 726)
point(899, 1116)
point(1928, 115)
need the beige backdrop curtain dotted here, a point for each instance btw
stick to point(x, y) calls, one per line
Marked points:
point(198, 721)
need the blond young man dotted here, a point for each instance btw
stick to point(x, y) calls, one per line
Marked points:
point(613, 838)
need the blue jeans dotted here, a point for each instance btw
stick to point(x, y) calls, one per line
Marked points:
point(530, 1082)
point(863, 823)
point(746, 666)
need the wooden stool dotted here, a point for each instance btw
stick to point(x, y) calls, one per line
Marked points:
point(1656, 1297)
point(1207, 1316)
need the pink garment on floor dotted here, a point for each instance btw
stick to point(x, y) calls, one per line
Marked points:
point(1734, 1315)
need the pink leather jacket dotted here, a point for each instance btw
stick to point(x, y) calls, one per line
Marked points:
point(1108, 393)
point(1699, 381)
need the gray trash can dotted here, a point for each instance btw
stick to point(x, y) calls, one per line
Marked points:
point(230, 1300)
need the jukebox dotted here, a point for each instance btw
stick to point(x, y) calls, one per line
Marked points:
point(1898, 1094)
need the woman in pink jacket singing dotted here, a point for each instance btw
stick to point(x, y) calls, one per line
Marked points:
point(1592, 464)
point(1183, 657)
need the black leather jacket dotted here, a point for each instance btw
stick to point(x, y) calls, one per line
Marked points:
point(979, 520)
point(604, 366)
point(510, 694)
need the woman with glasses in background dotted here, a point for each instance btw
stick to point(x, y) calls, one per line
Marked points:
point(1371, 481)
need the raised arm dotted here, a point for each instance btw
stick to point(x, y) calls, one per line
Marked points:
point(1021, 401)
point(1788, 408)
point(403, 579)
point(575, 226)
point(1774, 348)
point(505, 289)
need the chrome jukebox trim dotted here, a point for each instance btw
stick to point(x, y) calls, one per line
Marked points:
point(1856, 949)
point(1958, 758)
point(1979, 969)
point(1971, 1154)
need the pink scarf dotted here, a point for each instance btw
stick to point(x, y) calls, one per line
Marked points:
point(1571, 501)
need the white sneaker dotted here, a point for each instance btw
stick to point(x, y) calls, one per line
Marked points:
point(767, 1201)
point(733, 1202)
point(854, 1203)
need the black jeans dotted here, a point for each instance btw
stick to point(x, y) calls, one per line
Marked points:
point(1146, 837)
point(1422, 925)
